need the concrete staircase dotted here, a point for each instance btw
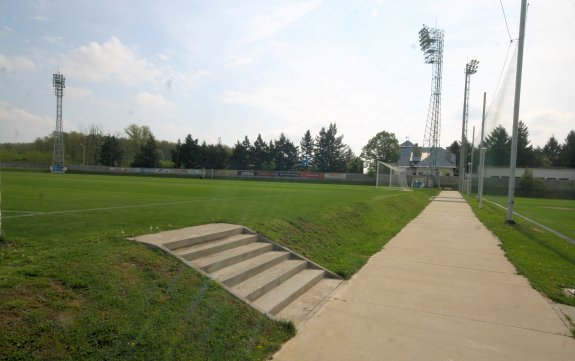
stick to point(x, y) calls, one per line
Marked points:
point(263, 274)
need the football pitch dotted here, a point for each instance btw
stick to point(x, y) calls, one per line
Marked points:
point(557, 214)
point(72, 287)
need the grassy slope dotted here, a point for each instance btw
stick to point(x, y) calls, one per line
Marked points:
point(557, 214)
point(546, 260)
point(72, 287)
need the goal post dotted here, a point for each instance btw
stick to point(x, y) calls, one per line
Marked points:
point(391, 175)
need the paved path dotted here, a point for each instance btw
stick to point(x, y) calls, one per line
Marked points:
point(442, 289)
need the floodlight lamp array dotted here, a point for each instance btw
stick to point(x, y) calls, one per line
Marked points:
point(429, 42)
point(59, 83)
point(471, 67)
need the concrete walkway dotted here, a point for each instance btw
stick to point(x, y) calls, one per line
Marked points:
point(442, 289)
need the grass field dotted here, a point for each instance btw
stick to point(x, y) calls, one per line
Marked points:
point(557, 214)
point(546, 260)
point(73, 287)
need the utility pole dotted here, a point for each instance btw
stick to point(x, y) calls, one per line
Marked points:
point(470, 181)
point(482, 150)
point(513, 160)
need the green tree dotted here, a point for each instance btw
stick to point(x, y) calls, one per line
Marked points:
point(455, 149)
point(383, 147)
point(552, 151)
point(147, 156)
point(213, 156)
point(241, 154)
point(260, 153)
point(541, 159)
point(354, 164)
point(528, 184)
point(137, 137)
point(306, 147)
point(498, 146)
point(329, 151)
point(93, 143)
point(189, 153)
point(110, 151)
point(525, 154)
point(285, 154)
point(567, 154)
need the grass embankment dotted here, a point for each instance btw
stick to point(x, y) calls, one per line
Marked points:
point(73, 287)
point(546, 260)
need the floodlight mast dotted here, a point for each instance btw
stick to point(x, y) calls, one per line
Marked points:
point(470, 68)
point(431, 42)
point(59, 83)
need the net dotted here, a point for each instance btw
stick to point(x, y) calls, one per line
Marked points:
point(391, 175)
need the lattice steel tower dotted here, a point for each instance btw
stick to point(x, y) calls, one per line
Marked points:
point(59, 83)
point(431, 42)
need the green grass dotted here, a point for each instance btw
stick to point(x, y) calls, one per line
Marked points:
point(557, 214)
point(546, 260)
point(72, 286)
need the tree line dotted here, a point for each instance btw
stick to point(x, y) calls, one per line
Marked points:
point(498, 144)
point(324, 152)
point(137, 147)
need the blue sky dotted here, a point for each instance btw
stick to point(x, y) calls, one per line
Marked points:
point(225, 69)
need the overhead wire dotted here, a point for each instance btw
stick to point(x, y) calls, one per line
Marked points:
point(506, 58)
point(505, 18)
point(500, 76)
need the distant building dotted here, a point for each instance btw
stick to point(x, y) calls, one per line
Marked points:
point(417, 161)
point(552, 174)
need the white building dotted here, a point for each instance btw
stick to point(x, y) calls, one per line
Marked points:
point(417, 160)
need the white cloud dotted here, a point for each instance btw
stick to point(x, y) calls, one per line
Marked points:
point(153, 102)
point(375, 11)
point(38, 18)
point(54, 40)
point(294, 107)
point(114, 61)
point(182, 81)
point(543, 123)
point(15, 63)
point(5, 30)
point(163, 57)
point(111, 60)
point(20, 126)
point(239, 61)
point(78, 93)
point(276, 18)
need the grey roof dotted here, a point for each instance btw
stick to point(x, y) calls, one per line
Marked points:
point(407, 159)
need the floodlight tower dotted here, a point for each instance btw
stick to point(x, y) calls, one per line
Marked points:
point(431, 42)
point(470, 68)
point(59, 83)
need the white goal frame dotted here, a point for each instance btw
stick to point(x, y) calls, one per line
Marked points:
point(400, 174)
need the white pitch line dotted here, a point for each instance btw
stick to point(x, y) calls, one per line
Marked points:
point(110, 208)
point(10, 211)
point(558, 234)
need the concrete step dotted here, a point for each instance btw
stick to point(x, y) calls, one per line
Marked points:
point(208, 248)
point(265, 275)
point(223, 259)
point(275, 300)
point(241, 271)
point(308, 303)
point(256, 286)
point(181, 238)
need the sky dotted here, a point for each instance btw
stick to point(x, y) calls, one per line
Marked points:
point(223, 69)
